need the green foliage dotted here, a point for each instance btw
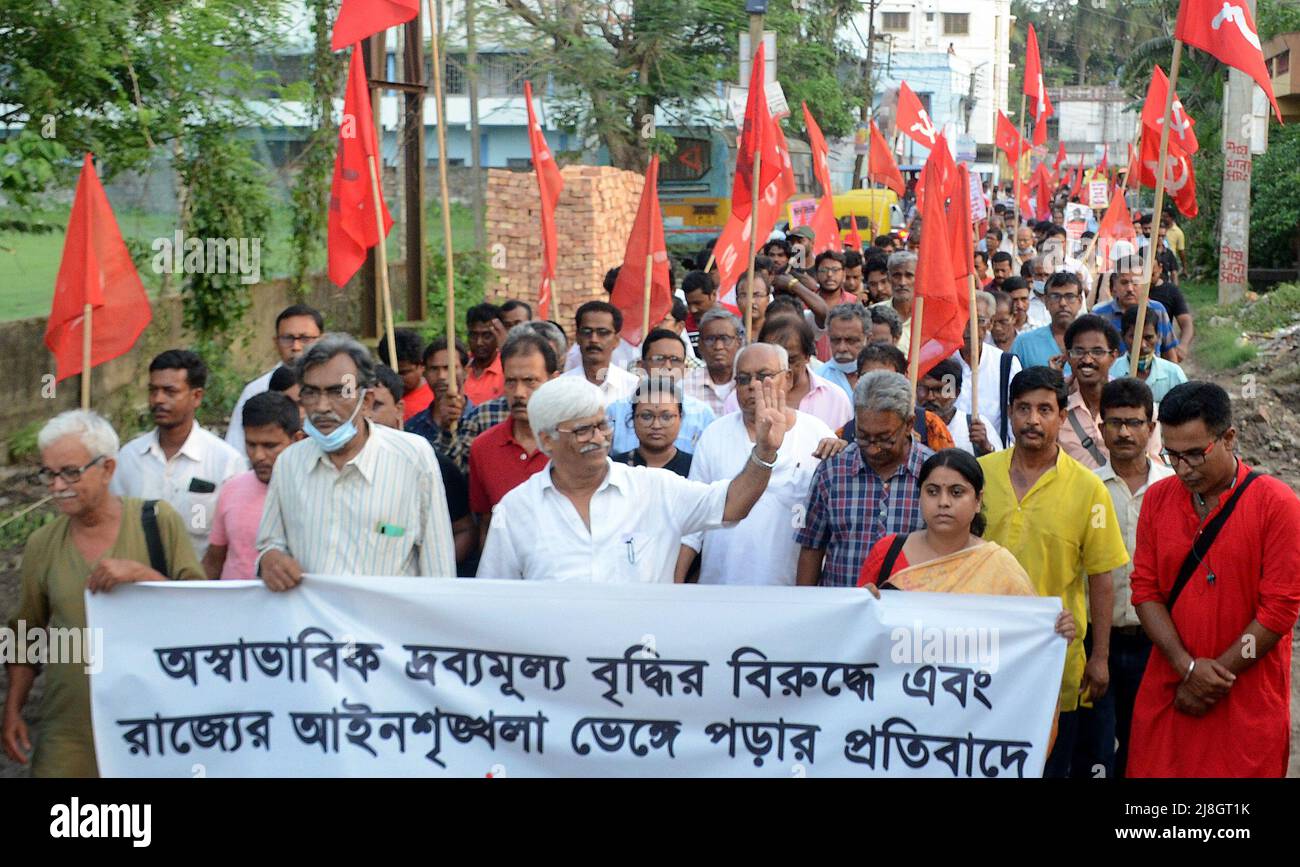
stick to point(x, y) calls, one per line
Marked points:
point(228, 199)
point(1276, 309)
point(22, 444)
point(310, 197)
point(224, 382)
point(16, 528)
point(27, 162)
point(1276, 16)
point(474, 278)
point(1275, 200)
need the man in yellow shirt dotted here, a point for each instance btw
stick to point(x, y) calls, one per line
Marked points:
point(1057, 518)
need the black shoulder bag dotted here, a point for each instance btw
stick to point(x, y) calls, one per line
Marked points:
point(1201, 544)
point(153, 537)
point(887, 565)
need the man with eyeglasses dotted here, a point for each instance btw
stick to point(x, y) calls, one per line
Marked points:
point(507, 454)
point(1058, 520)
point(296, 328)
point(1124, 288)
point(728, 553)
point(598, 326)
point(178, 461)
point(868, 490)
point(355, 497)
point(1127, 422)
point(586, 518)
point(1092, 346)
point(1215, 700)
point(1041, 346)
point(721, 336)
point(663, 353)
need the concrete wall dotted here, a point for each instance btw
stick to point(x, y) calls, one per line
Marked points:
point(118, 386)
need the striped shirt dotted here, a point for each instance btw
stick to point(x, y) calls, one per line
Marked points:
point(473, 421)
point(850, 508)
point(384, 513)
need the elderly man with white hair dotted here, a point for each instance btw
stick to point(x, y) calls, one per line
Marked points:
point(902, 281)
point(758, 549)
point(98, 541)
point(585, 518)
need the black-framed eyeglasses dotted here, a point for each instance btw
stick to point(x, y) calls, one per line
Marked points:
point(602, 333)
point(1096, 352)
point(648, 418)
point(310, 394)
point(587, 432)
point(761, 376)
point(1193, 458)
point(291, 339)
point(675, 360)
point(1062, 297)
point(1118, 424)
point(71, 475)
point(883, 442)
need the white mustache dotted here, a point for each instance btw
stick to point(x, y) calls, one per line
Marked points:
point(589, 448)
point(64, 495)
point(317, 417)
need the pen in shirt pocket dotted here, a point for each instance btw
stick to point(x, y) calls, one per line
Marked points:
point(631, 549)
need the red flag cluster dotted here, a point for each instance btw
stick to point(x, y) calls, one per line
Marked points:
point(646, 241)
point(826, 229)
point(945, 259)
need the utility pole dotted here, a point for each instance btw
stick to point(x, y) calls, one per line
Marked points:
point(1234, 217)
point(864, 113)
point(476, 166)
point(755, 8)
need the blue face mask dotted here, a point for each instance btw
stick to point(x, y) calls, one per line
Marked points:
point(850, 366)
point(1040, 286)
point(340, 436)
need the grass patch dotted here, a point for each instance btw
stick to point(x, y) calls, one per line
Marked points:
point(1221, 347)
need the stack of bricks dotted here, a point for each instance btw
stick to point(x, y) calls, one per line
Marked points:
point(592, 222)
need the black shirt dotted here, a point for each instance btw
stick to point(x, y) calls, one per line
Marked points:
point(680, 464)
point(1172, 297)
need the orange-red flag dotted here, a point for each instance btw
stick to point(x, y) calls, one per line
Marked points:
point(959, 231)
point(946, 168)
point(361, 18)
point(1009, 140)
point(854, 240)
point(1181, 125)
point(1116, 225)
point(826, 229)
point(883, 168)
point(945, 313)
point(1226, 30)
point(97, 270)
point(1180, 179)
point(647, 239)
point(913, 120)
point(1034, 88)
point(351, 229)
point(549, 184)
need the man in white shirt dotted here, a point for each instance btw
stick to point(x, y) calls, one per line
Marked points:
point(598, 325)
point(585, 518)
point(355, 497)
point(178, 461)
point(997, 369)
point(297, 327)
point(1127, 424)
point(759, 549)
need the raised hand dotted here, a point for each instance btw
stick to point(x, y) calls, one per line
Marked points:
point(770, 421)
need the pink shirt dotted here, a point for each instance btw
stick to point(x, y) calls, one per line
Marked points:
point(824, 399)
point(239, 511)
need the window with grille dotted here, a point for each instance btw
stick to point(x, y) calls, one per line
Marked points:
point(498, 75)
point(894, 21)
point(956, 23)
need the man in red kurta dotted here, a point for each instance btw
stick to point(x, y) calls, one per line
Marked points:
point(1215, 700)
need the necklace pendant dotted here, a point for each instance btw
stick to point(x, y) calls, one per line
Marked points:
point(1209, 578)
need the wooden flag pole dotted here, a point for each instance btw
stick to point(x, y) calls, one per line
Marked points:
point(1020, 153)
point(85, 356)
point(753, 239)
point(381, 262)
point(914, 356)
point(974, 341)
point(1144, 289)
point(645, 309)
point(435, 32)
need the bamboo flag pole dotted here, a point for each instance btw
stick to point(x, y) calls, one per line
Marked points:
point(645, 309)
point(381, 261)
point(1020, 153)
point(1144, 289)
point(753, 239)
point(435, 33)
point(974, 339)
point(914, 339)
point(85, 356)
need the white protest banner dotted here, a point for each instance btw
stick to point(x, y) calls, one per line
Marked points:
point(363, 676)
point(801, 212)
point(738, 97)
point(1076, 220)
point(977, 210)
point(1097, 197)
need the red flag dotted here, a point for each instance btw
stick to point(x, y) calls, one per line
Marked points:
point(1078, 180)
point(826, 229)
point(361, 18)
point(1226, 30)
point(1060, 158)
point(1180, 180)
point(1009, 140)
point(97, 270)
point(1034, 88)
point(1181, 125)
point(1133, 171)
point(352, 229)
point(854, 240)
point(1101, 166)
point(944, 315)
point(647, 239)
point(913, 120)
point(776, 183)
point(549, 184)
point(959, 232)
point(883, 169)
point(1042, 182)
point(946, 169)
point(1116, 225)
